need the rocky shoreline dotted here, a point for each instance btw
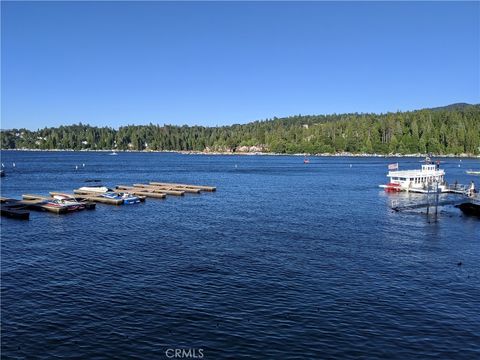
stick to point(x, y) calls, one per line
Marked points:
point(257, 153)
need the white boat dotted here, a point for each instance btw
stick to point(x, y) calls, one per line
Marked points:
point(113, 153)
point(473, 172)
point(423, 181)
point(69, 201)
point(97, 189)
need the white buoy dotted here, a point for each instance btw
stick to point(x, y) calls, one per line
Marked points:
point(350, 165)
point(3, 165)
point(83, 165)
point(76, 167)
point(13, 164)
point(236, 166)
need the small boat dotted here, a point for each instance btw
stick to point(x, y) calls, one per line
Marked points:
point(113, 153)
point(473, 172)
point(127, 198)
point(306, 161)
point(54, 203)
point(96, 188)
point(72, 203)
point(392, 187)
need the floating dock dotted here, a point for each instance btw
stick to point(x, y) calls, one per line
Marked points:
point(414, 206)
point(151, 188)
point(174, 188)
point(15, 208)
point(95, 196)
point(88, 205)
point(92, 196)
point(184, 186)
point(139, 192)
point(32, 205)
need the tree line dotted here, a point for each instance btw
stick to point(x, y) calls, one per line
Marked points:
point(448, 130)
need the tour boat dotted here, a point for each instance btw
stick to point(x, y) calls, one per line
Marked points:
point(423, 181)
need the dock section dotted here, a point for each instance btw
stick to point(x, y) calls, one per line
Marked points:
point(13, 209)
point(19, 209)
point(150, 188)
point(38, 205)
point(185, 186)
point(88, 205)
point(93, 196)
point(139, 192)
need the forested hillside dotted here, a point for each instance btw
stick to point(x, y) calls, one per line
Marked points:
point(448, 130)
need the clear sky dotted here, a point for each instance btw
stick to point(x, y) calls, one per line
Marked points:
point(216, 63)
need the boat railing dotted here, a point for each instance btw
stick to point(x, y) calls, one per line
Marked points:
point(458, 187)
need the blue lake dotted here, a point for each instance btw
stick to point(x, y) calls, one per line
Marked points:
point(284, 261)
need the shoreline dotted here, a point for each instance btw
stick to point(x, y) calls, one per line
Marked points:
point(185, 152)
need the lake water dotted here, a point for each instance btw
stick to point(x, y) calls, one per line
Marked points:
point(284, 261)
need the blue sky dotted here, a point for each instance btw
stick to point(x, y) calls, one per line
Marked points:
point(216, 63)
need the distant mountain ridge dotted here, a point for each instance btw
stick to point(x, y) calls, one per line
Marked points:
point(451, 129)
point(455, 106)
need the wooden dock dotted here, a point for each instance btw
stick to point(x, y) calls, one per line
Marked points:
point(88, 205)
point(92, 196)
point(83, 193)
point(184, 186)
point(150, 188)
point(139, 192)
point(32, 205)
point(426, 204)
point(13, 209)
point(19, 208)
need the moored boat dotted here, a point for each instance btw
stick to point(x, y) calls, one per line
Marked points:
point(127, 198)
point(473, 172)
point(429, 178)
point(56, 204)
point(72, 203)
point(97, 189)
point(392, 187)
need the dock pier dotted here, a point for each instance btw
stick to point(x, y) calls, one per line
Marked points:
point(19, 209)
